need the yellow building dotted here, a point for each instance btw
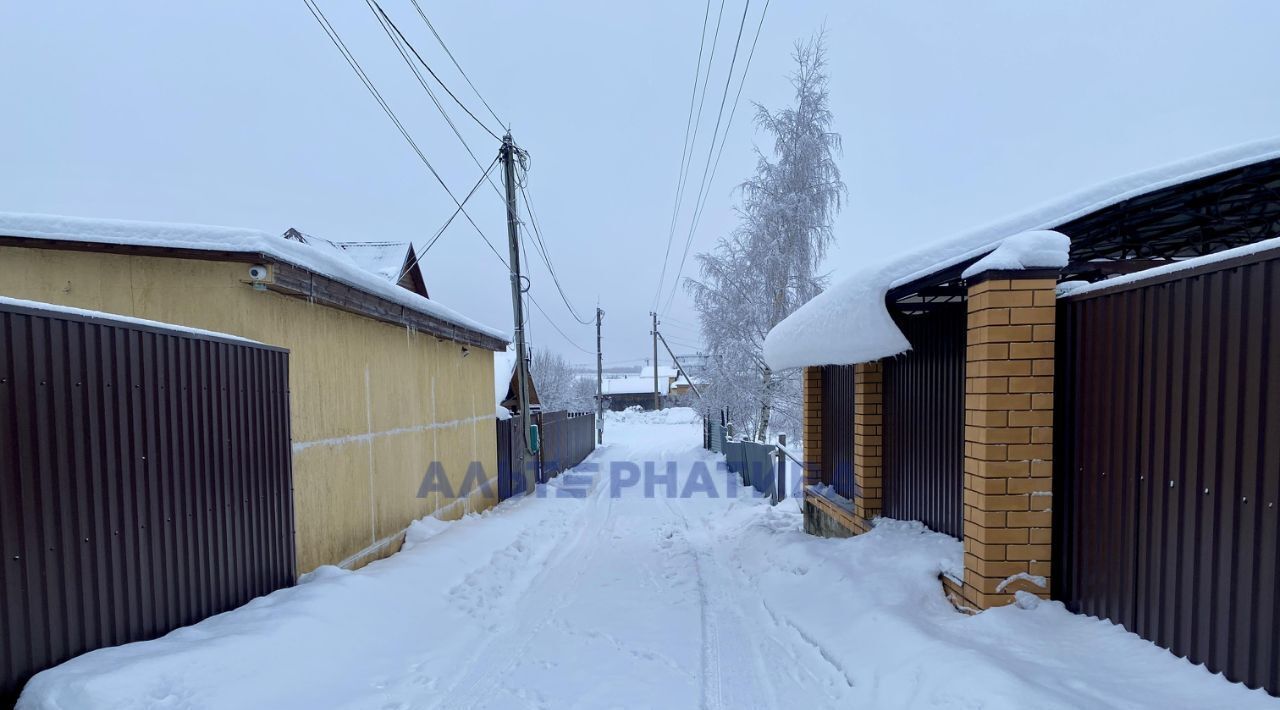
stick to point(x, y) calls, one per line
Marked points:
point(383, 381)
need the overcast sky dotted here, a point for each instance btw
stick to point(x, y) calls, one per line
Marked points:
point(241, 113)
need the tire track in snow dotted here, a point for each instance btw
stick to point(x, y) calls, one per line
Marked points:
point(490, 667)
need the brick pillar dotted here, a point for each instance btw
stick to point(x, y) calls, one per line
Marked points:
point(1008, 449)
point(812, 425)
point(868, 413)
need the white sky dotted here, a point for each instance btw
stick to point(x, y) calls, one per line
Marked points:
point(242, 113)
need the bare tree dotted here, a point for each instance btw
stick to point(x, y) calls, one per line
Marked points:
point(768, 266)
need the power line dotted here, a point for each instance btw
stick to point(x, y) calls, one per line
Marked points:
point(556, 327)
point(447, 222)
point(685, 151)
point(400, 43)
point(433, 73)
point(704, 183)
point(732, 112)
point(332, 33)
point(541, 248)
point(455, 62)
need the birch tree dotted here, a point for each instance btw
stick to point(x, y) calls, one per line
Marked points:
point(768, 266)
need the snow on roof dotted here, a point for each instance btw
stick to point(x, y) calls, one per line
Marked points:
point(386, 259)
point(1154, 273)
point(504, 366)
point(632, 385)
point(663, 371)
point(329, 262)
point(112, 318)
point(850, 322)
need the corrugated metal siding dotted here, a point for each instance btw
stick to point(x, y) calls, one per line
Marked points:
point(837, 428)
point(145, 483)
point(567, 439)
point(511, 459)
point(1168, 464)
point(924, 421)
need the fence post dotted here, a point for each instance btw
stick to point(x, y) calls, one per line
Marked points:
point(780, 483)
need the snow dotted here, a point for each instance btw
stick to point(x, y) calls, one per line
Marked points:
point(1034, 579)
point(1081, 288)
point(504, 366)
point(330, 262)
point(1038, 249)
point(112, 318)
point(384, 259)
point(849, 323)
point(595, 595)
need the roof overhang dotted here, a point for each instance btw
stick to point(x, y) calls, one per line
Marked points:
point(1191, 208)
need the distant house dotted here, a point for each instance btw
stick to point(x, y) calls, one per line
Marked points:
point(633, 391)
point(396, 262)
point(666, 376)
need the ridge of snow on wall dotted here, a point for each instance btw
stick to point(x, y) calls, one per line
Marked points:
point(228, 239)
point(850, 322)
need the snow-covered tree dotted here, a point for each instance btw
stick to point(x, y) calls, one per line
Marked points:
point(553, 377)
point(768, 266)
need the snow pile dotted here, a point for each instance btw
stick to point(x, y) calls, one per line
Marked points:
point(329, 262)
point(1039, 249)
point(850, 323)
point(1080, 288)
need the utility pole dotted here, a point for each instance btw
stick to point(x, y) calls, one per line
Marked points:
point(508, 154)
point(599, 380)
point(657, 403)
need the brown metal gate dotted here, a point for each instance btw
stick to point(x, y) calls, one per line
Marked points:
point(145, 482)
point(924, 421)
point(837, 428)
point(1167, 466)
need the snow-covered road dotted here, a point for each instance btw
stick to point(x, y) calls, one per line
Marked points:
point(620, 588)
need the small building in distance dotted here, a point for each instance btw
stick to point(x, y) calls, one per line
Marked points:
point(633, 391)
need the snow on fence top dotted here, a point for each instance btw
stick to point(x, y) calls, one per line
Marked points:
point(229, 239)
point(1079, 288)
point(113, 319)
point(850, 322)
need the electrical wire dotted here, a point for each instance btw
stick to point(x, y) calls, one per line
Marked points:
point(685, 152)
point(704, 183)
point(732, 112)
point(447, 222)
point(455, 62)
point(557, 328)
point(541, 248)
point(400, 43)
point(433, 74)
point(332, 33)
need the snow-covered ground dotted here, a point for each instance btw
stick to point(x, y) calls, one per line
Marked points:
point(595, 594)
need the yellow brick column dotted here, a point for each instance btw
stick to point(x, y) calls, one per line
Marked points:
point(812, 386)
point(868, 442)
point(1008, 449)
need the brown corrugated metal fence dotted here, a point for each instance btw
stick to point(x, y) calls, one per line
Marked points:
point(567, 439)
point(837, 428)
point(145, 482)
point(924, 421)
point(1168, 463)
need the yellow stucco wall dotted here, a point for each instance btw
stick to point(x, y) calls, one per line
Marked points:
point(372, 403)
